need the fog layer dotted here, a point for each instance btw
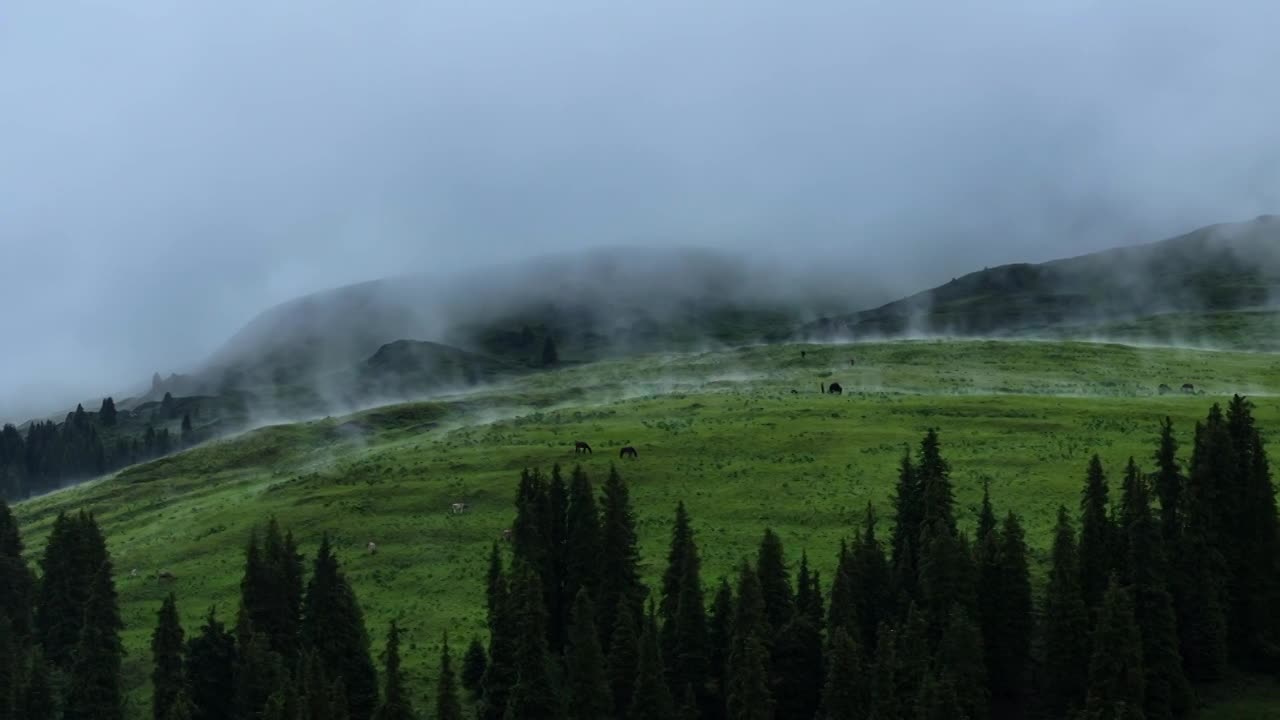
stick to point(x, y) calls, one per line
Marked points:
point(169, 170)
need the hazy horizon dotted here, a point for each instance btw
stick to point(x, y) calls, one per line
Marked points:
point(173, 171)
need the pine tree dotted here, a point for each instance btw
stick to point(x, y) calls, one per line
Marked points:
point(582, 537)
point(913, 656)
point(884, 681)
point(448, 706)
point(1066, 624)
point(684, 628)
point(260, 675)
point(316, 695)
point(798, 666)
point(210, 670)
point(1008, 642)
point(271, 590)
point(619, 556)
point(842, 610)
point(395, 701)
point(1116, 689)
point(1169, 482)
point(1167, 693)
point(1096, 533)
point(473, 667)
point(719, 642)
point(36, 701)
point(587, 688)
point(73, 556)
point(987, 515)
point(846, 694)
point(938, 501)
point(960, 668)
point(188, 432)
point(532, 696)
point(550, 356)
point(500, 675)
point(747, 692)
point(167, 680)
point(1202, 622)
point(107, 414)
point(775, 584)
point(9, 671)
point(651, 698)
point(558, 604)
point(16, 583)
point(94, 692)
point(908, 505)
point(333, 626)
point(946, 581)
point(624, 658)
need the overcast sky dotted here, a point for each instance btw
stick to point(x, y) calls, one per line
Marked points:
point(168, 169)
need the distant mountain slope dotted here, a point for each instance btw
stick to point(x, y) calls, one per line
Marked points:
point(1216, 268)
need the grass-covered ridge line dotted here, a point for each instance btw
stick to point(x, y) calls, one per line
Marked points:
point(722, 431)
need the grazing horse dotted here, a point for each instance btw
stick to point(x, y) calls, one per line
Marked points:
point(1164, 389)
point(166, 575)
point(801, 354)
point(628, 451)
point(458, 508)
point(506, 535)
point(579, 447)
point(1188, 388)
point(372, 547)
point(835, 389)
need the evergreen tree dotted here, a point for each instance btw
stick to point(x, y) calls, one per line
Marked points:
point(619, 556)
point(946, 581)
point(587, 688)
point(846, 695)
point(1116, 689)
point(1066, 624)
point(1008, 643)
point(549, 354)
point(912, 656)
point(798, 666)
point(624, 658)
point(333, 626)
point(684, 627)
point(558, 604)
point(1202, 623)
point(842, 610)
point(719, 642)
point(167, 680)
point(987, 515)
point(651, 698)
point(532, 696)
point(908, 505)
point(500, 675)
point(271, 590)
point(188, 432)
point(395, 701)
point(1096, 533)
point(448, 706)
point(1169, 482)
point(94, 686)
point(317, 696)
point(959, 667)
point(16, 582)
point(473, 667)
point(74, 553)
point(1168, 693)
point(211, 670)
point(261, 675)
point(884, 681)
point(747, 693)
point(36, 699)
point(582, 537)
point(775, 584)
point(107, 414)
point(938, 501)
point(9, 671)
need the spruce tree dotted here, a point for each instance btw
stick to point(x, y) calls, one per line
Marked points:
point(317, 696)
point(908, 506)
point(333, 627)
point(798, 666)
point(1167, 693)
point(9, 671)
point(188, 432)
point(395, 701)
point(261, 674)
point(550, 356)
point(1066, 626)
point(271, 590)
point(552, 573)
point(677, 557)
point(719, 642)
point(500, 674)
point(587, 684)
point(937, 499)
point(651, 698)
point(619, 556)
point(884, 681)
point(473, 667)
point(846, 694)
point(912, 653)
point(959, 666)
point(1116, 689)
point(1096, 533)
point(582, 537)
point(624, 658)
point(775, 584)
point(94, 686)
point(107, 413)
point(684, 627)
point(210, 670)
point(167, 679)
point(16, 583)
point(747, 691)
point(36, 699)
point(74, 553)
point(987, 514)
point(448, 706)
point(1169, 483)
point(532, 696)
point(1202, 623)
point(1008, 643)
point(842, 610)
point(946, 581)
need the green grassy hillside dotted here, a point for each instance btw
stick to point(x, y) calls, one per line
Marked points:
point(723, 431)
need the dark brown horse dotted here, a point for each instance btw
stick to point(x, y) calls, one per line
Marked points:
point(579, 447)
point(628, 451)
point(835, 389)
